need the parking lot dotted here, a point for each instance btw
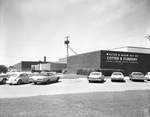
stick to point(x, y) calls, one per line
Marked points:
point(70, 86)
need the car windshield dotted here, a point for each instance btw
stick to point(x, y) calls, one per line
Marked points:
point(95, 73)
point(117, 73)
point(138, 73)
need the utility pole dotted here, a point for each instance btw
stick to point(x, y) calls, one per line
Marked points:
point(67, 43)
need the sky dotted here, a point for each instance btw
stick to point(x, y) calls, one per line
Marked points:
point(32, 29)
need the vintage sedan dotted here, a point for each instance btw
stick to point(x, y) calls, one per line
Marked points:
point(18, 78)
point(3, 78)
point(117, 76)
point(137, 76)
point(147, 76)
point(45, 77)
point(95, 76)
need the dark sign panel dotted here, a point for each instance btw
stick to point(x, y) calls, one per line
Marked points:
point(126, 61)
point(121, 57)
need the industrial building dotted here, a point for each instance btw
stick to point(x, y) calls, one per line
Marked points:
point(39, 66)
point(50, 66)
point(128, 59)
point(24, 65)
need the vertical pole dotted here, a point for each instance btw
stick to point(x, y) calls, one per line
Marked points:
point(67, 49)
point(67, 42)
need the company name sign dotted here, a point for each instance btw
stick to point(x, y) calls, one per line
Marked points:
point(121, 58)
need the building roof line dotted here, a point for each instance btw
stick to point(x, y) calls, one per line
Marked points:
point(129, 47)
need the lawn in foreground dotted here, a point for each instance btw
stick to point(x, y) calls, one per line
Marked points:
point(102, 104)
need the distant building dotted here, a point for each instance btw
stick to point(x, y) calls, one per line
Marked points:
point(50, 66)
point(63, 60)
point(39, 66)
point(128, 59)
point(25, 65)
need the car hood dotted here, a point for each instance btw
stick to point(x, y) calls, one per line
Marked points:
point(12, 78)
point(3, 75)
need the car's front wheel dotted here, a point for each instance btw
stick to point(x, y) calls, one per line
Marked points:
point(19, 82)
point(4, 81)
point(57, 79)
point(48, 81)
point(35, 82)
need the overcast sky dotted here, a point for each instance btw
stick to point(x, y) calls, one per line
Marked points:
point(32, 29)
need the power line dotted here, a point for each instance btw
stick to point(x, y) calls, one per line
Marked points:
point(72, 50)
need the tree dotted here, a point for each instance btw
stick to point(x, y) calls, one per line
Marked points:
point(3, 69)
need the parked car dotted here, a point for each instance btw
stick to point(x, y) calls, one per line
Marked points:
point(45, 77)
point(3, 78)
point(147, 76)
point(18, 78)
point(117, 76)
point(95, 76)
point(137, 76)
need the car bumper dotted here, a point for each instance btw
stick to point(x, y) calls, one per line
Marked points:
point(95, 79)
point(137, 78)
point(11, 82)
point(118, 79)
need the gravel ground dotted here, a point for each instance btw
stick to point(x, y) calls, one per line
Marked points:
point(100, 104)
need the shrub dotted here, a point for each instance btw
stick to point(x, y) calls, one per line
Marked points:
point(3, 69)
point(106, 72)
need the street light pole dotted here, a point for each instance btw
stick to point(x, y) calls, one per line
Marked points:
point(67, 42)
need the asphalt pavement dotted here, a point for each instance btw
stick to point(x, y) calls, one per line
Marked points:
point(70, 86)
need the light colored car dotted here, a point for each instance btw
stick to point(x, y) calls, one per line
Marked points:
point(18, 78)
point(137, 76)
point(117, 76)
point(3, 78)
point(95, 76)
point(147, 76)
point(45, 77)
